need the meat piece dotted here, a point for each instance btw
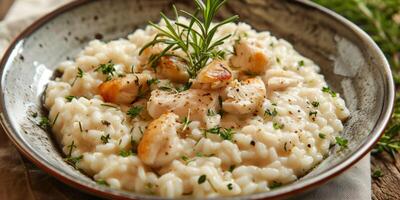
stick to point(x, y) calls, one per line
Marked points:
point(160, 143)
point(215, 75)
point(168, 67)
point(244, 97)
point(278, 79)
point(249, 58)
point(124, 90)
point(195, 100)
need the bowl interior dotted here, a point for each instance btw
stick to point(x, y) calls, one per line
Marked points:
point(352, 66)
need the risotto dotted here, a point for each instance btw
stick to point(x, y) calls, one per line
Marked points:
point(254, 118)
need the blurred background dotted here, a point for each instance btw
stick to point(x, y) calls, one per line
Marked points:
point(379, 18)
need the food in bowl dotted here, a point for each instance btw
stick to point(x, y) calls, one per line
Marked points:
point(194, 108)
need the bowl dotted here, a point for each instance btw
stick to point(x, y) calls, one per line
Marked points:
point(350, 61)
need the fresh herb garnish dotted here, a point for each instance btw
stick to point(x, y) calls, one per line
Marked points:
point(196, 40)
point(108, 105)
point(105, 138)
point(186, 121)
point(44, 122)
point(315, 104)
point(202, 179)
point(224, 133)
point(78, 75)
point(102, 182)
point(377, 173)
point(329, 91)
point(80, 127)
point(269, 113)
point(321, 135)
point(229, 186)
point(301, 63)
point(73, 160)
point(34, 115)
point(69, 98)
point(134, 111)
point(55, 119)
point(211, 112)
point(278, 126)
point(231, 168)
point(107, 69)
point(105, 122)
point(70, 148)
point(153, 81)
point(342, 142)
point(311, 113)
point(275, 185)
point(125, 153)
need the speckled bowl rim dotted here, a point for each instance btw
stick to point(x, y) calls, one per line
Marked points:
point(290, 190)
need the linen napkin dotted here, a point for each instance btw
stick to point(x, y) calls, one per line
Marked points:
point(20, 179)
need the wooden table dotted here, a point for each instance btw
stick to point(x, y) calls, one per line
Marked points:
point(383, 188)
point(387, 186)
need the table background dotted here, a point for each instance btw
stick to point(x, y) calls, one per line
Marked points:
point(33, 183)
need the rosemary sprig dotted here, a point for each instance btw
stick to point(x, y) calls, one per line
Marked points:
point(196, 39)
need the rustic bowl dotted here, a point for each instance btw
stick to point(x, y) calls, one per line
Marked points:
point(351, 62)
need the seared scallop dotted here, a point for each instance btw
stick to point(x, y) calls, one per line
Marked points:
point(193, 101)
point(249, 58)
point(215, 75)
point(160, 143)
point(244, 97)
point(124, 90)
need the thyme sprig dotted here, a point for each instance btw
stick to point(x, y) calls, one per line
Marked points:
point(196, 39)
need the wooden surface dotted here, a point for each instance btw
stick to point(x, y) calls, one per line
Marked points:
point(383, 188)
point(388, 186)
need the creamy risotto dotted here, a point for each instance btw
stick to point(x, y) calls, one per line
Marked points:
point(255, 118)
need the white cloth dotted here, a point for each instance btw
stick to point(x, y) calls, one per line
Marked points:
point(355, 184)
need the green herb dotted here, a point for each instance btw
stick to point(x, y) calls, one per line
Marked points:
point(185, 158)
point(230, 186)
point(231, 168)
point(278, 126)
point(275, 185)
point(153, 81)
point(315, 104)
point(105, 138)
point(342, 142)
point(389, 142)
point(107, 69)
point(301, 63)
point(185, 87)
point(278, 60)
point(269, 113)
point(321, 135)
point(105, 122)
point(199, 154)
point(102, 182)
point(78, 75)
point(197, 39)
point(211, 113)
point(134, 111)
point(70, 148)
point(44, 122)
point(311, 113)
point(224, 133)
point(125, 153)
point(202, 179)
point(73, 160)
point(69, 98)
point(55, 120)
point(34, 115)
point(377, 173)
point(329, 91)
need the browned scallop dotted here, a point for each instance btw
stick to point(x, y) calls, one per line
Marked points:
point(172, 68)
point(124, 90)
point(244, 97)
point(215, 75)
point(249, 58)
point(195, 101)
point(160, 143)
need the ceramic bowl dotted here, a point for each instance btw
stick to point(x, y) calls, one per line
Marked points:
point(350, 61)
